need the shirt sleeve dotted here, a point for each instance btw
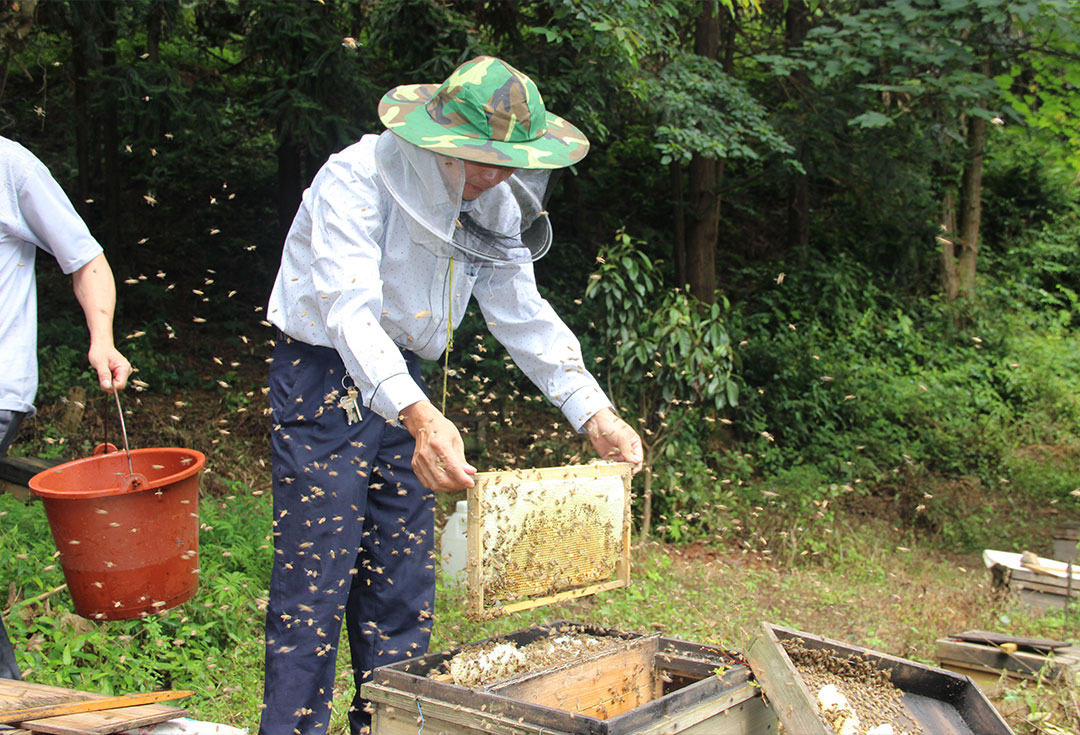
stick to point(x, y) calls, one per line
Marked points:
point(54, 222)
point(345, 228)
point(539, 341)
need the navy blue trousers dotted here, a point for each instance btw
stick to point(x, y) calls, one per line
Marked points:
point(353, 543)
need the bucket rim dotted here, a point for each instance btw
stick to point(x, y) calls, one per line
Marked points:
point(36, 482)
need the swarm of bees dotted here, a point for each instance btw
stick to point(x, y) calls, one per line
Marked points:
point(855, 697)
point(485, 663)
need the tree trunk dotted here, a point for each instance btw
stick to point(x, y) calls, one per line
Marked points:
point(82, 56)
point(971, 207)
point(110, 129)
point(155, 16)
point(289, 185)
point(679, 225)
point(703, 224)
point(646, 502)
point(796, 25)
point(947, 240)
point(703, 228)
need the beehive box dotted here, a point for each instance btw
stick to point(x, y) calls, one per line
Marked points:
point(539, 536)
point(980, 655)
point(1066, 537)
point(1047, 584)
point(930, 701)
point(636, 685)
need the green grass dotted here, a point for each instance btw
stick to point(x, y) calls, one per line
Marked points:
point(876, 594)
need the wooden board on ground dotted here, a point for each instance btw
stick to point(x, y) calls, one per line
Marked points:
point(15, 473)
point(679, 688)
point(969, 652)
point(938, 701)
point(22, 694)
point(539, 536)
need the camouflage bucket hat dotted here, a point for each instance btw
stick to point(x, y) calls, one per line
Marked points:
point(488, 112)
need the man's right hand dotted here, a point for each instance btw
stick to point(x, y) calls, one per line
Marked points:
point(439, 458)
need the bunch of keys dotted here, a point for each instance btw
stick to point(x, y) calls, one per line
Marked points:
point(350, 405)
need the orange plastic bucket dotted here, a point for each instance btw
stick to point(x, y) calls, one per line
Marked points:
point(127, 549)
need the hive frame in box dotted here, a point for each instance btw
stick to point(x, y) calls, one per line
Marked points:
point(703, 690)
point(940, 702)
point(489, 484)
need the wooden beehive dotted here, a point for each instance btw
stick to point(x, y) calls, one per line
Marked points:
point(980, 655)
point(1066, 538)
point(1048, 583)
point(938, 702)
point(539, 536)
point(639, 685)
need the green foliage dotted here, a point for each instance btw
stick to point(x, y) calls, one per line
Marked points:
point(706, 112)
point(666, 348)
point(187, 647)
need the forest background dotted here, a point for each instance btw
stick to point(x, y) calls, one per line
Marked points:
point(824, 253)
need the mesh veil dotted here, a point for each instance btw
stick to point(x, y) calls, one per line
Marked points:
point(506, 224)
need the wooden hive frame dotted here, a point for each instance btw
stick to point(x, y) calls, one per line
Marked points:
point(692, 689)
point(488, 485)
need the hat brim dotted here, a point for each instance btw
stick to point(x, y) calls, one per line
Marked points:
point(403, 110)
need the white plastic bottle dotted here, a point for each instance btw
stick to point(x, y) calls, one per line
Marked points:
point(453, 546)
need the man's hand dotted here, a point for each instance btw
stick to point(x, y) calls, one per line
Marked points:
point(439, 459)
point(111, 367)
point(614, 439)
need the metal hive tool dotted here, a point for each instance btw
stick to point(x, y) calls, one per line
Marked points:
point(538, 536)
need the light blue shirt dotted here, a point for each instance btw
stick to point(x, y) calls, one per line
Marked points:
point(34, 213)
point(352, 279)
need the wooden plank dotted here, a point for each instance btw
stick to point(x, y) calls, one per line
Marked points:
point(19, 470)
point(785, 691)
point(569, 472)
point(1065, 549)
point(399, 713)
point(986, 680)
point(981, 636)
point(600, 686)
point(1045, 584)
point(103, 723)
point(25, 714)
point(739, 712)
point(20, 694)
point(984, 658)
point(1041, 600)
point(474, 545)
point(16, 694)
point(515, 607)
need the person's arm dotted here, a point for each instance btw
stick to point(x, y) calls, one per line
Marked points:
point(96, 291)
point(62, 233)
point(547, 351)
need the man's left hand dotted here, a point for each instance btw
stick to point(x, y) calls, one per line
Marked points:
point(614, 439)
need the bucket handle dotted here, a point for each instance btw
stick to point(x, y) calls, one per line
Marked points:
point(134, 479)
point(123, 431)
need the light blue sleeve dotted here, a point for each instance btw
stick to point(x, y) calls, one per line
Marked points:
point(54, 222)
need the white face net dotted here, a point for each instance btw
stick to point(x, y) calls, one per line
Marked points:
point(505, 224)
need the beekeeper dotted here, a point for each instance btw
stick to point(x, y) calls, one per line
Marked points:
point(394, 235)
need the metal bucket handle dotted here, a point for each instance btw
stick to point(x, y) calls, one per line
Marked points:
point(133, 480)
